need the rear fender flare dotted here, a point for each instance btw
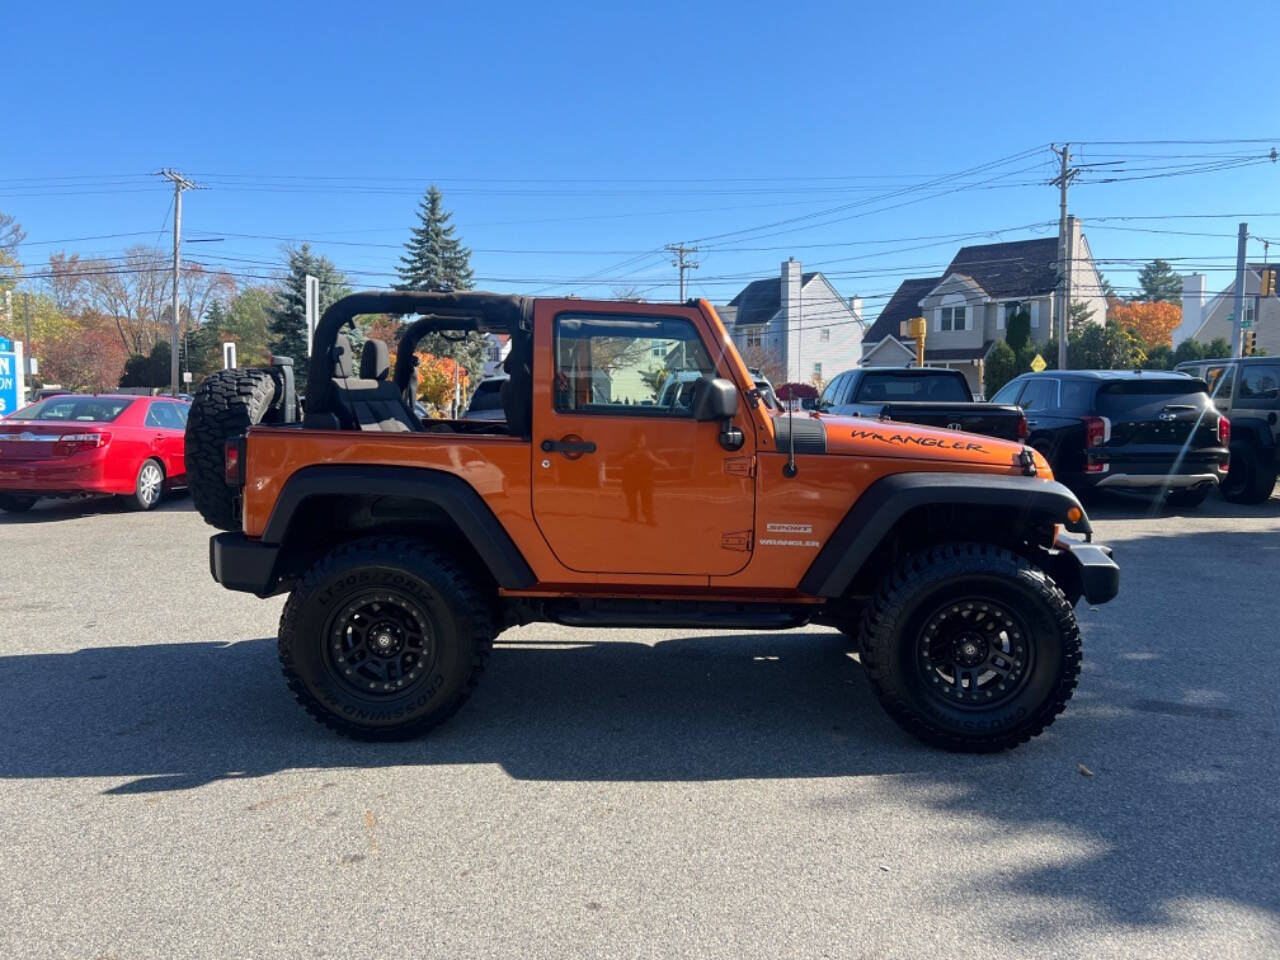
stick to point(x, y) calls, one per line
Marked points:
point(457, 498)
point(889, 499)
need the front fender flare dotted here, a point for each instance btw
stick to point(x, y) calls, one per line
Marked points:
point(890, 498)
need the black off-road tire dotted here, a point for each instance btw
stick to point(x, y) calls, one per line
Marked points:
point(1248, 479)
point(11, 503)
point(339, 600)
point(1187, 498)
point(225, 406)
point(932, 589)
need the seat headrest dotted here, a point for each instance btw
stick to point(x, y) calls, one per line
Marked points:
point(343, 358)
point(375, 360)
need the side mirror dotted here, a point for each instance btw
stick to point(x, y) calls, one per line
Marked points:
point(714, 399)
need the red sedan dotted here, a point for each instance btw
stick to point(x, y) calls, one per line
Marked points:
point(76, 444)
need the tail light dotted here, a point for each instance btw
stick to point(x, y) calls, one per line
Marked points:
point(1023, 430)
point(1097, 431)
point(233, 461)
point(1224, 432)
point(70, 443)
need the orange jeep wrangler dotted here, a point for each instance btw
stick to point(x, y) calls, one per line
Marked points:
point(636, 481)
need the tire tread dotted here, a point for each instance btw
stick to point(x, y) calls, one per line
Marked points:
point(432, 565)
point(953, 560)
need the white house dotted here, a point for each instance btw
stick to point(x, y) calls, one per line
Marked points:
point(1205, 318)
point(795, 326)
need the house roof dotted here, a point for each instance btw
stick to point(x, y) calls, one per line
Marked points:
point(1017, 269)
point(759, 300)
point(903, 305)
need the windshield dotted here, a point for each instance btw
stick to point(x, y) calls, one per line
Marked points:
point(881, 387)
point(75, 409)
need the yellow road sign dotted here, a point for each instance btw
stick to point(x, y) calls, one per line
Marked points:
point(1037, 363)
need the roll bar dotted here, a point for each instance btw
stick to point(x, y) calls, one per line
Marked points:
point(461, 310)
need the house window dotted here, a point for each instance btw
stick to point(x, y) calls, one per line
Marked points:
point(755, 337)
point(955, 318)
point(1011, 310)
point(817, 372)
point(824, 335)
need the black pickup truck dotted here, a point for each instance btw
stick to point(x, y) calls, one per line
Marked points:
point(933, 396)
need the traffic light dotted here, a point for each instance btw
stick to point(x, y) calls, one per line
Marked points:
point(1268, 283)
point(1250, 343)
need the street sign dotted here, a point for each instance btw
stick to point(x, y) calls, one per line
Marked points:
point(1037, 363)
point(1246, 323)
point(186, 376)
point(9, 367)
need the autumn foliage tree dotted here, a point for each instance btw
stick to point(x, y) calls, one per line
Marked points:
point(1152, 320)
point(436, 378)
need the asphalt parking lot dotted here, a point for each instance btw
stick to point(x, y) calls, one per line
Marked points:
point(627, 793)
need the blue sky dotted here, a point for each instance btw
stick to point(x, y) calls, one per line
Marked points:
point(573, 140)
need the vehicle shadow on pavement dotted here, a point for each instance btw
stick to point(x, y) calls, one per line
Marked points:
point(1178, 800)
point(52, 511)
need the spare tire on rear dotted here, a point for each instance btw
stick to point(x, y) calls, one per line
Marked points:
point(227, 404)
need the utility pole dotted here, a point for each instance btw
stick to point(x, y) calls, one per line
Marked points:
point(26, 316)
point(1065, 253)
point(1237, 341)
point(681, 254)
point(180, 183)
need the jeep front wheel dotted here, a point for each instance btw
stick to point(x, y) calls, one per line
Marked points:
point(971, 648)
point(384, 638)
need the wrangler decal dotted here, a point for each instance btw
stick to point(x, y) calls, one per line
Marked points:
point(906, 440)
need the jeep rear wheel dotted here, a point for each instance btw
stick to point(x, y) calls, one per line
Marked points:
point(227, 404)
point(971, 648)
point(384, 638)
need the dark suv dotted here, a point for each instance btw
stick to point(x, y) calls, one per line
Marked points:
point(1248, 390)
point(1154, 431)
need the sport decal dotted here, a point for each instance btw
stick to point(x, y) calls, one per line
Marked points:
point(907, 440)
point(789, 527)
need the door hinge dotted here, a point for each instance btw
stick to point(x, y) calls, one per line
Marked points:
point(740, 466)
point(739, 540)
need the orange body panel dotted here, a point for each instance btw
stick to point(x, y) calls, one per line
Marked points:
point(659, 508)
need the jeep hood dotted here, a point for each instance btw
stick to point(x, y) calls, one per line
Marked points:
point(864, 437)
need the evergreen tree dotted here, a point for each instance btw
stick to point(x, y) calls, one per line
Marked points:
point(1018, 330)
point(435, 259)
point(288, 326)
point(1159, 282)
point(1079, 314)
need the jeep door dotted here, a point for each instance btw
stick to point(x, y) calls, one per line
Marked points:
point(625, 481)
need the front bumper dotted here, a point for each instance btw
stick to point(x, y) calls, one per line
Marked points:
point(239, 563)
point(1086, 569)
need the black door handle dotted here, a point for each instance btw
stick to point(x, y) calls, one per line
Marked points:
point(576, 447)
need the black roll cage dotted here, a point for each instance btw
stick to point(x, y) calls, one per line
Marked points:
point(467, 311)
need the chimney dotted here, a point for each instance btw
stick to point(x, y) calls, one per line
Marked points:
point(855, 306)
point(791, 304)
point(1192, 307)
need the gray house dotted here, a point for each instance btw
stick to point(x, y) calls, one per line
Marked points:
point(968, 307)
